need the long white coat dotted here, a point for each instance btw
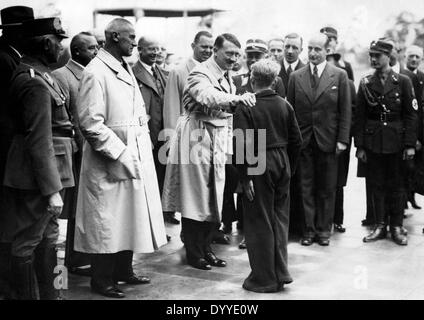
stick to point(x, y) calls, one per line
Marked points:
point(119, 204)
point(195, 173)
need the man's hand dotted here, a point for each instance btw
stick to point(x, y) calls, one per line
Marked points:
point(418, 145)
point(248, 189)
point(248, 99)
point(55, 204)
point(408, 154)
point(340, 147)
point(361, 155)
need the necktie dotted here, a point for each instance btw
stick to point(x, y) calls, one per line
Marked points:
point(315, 78)
point(158, 83)
point(226, 76)
point(289, 70)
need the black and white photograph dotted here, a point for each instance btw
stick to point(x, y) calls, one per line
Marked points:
point(219, 152)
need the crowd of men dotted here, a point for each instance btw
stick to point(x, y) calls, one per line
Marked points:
point(119, 149)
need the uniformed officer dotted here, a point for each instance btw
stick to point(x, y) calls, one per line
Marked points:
point(39, 163)
point(385, 136)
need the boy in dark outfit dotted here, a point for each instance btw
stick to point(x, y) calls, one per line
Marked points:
point(276, 143)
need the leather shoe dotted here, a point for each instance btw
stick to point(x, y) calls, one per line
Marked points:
point(221, 238)
point(380, 232)
point(323, 241)
point(108, 291)
point(134, 279)
point(213, 260)
point(306, 241)
point(84, 272)
point(242, 244)
point(339, 228)
point(201, 264)
point(170, 218)
point(398, 237)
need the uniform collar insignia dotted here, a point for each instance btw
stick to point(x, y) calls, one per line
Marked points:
point(48, 78)
point(395, 79)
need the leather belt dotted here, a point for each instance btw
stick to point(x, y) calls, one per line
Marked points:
point(384, 117)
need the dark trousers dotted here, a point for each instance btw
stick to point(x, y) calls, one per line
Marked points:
point(198, 237)
point(266, 224)
point(160, 168)
point(73, 259)
point(297, 220)
point(318, 180)
point(386, 178)
point(109, 267)
point(33, 224)
point(229, 213)
point(343, 161)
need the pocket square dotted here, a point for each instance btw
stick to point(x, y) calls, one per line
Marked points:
point(334, 88)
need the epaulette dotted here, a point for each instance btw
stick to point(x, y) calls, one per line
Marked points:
point(366, 79)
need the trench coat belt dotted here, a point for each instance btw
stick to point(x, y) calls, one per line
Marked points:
point(141, 121)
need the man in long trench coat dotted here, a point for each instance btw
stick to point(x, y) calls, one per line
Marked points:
point(118, 210)
point(195, 174)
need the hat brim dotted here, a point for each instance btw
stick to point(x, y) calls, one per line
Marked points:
point(256, 50)
point(10, 25)
point(378, 51)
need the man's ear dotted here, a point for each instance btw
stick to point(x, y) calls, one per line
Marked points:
point(115, 36)
point(47, 44)
point(193, 45)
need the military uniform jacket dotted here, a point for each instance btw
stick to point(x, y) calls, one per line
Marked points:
point(386, 116)
point(40, 157)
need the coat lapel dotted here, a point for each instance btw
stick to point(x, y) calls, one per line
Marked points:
point(75, 69)
point(325, 81)
point(114, 64)
point(144, 77)
point(305, 83)
point(389, 85)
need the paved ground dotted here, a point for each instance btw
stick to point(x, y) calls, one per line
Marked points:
point(347, 269)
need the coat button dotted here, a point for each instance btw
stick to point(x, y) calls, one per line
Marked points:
point(384, 123)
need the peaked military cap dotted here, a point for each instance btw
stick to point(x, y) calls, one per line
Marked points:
point(329, 32)
point(44, 26)
point(15, 15)
point(381, 46)
point(256, 45)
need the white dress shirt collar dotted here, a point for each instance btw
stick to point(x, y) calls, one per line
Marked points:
point(147, 67)
point(320, 68)
point(293, 65)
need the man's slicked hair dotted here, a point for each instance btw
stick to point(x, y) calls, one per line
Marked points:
point(219, 42)
point(200, 34)
point(294, 35)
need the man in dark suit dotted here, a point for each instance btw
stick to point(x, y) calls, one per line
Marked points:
point(84, 48)
point(385, 136)
point(414, 56)
point(320, 95)
point(292, 48)
point(343, 161)
point(39, 163)
point(152, 80)
point(10, 56)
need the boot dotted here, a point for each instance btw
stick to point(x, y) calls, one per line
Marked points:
point(45, 263)
point(24, 279)
point(398, 236)
point(380, 232)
